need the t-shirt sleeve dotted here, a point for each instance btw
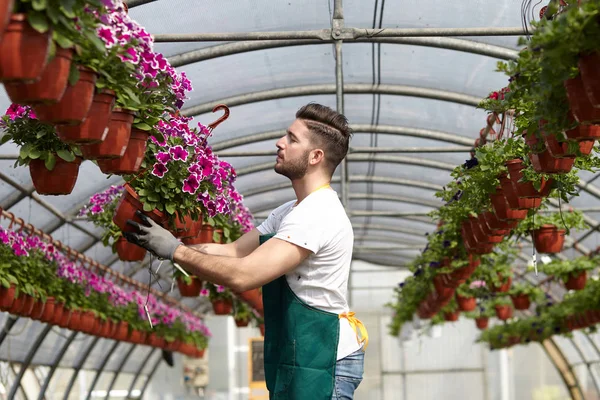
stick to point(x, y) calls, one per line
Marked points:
point(302, 228)
point(271, 224)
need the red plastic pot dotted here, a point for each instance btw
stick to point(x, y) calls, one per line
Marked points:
point(128, 205)
point(116, 141)
point(38, 310)
point(24, 51)
point(222, 306)
point(549, 239)
point(130, 162)
point(479, 234)
point(544, 163)
point(128, 251)
point(6, 8)
point(7, 297)
point(186, 229)
point(59, 313)
point(500, 227)
point(466, 303)
point(240, 323)
point(514, 201)
point(501, 208)
point(262, 329)
point(28, 304)
point(581, 132)
point(504, 287)
point(444, 286)
point(526, 189)
point(155, 341)
point(48, 312)
point(451, 316)
point(206, 235)
point(582, 108)
point(137, 337)
point(75, 321)
point(521, 301)
point(121, 332)
point(561, 149)
point(576, 282)
point(504, 312)
point(75, 103)
point(189, 290)
point(88, 322)
point(61, 180)
point(482, 322)
point(95, 127)
point(51, 86)
point(590, 76)
point(17, 304)
point(254, 299)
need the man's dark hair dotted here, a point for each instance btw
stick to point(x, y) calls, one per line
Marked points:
point(330, 129)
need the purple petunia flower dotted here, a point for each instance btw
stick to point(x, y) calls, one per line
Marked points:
point(178, 153)
point(159, 170)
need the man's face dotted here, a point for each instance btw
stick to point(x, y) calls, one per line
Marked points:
point(293, 151)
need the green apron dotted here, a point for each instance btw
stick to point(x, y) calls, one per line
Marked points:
point(300, 344)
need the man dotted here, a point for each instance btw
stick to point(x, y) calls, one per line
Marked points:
point(313, 344)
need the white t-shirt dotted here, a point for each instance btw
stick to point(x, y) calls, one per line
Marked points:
point(320, 224)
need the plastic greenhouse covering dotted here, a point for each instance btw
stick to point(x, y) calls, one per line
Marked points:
point(411, 96)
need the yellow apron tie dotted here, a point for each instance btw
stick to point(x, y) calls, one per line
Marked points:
point(358, 326)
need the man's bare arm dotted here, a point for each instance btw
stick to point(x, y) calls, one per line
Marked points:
point(240, 248)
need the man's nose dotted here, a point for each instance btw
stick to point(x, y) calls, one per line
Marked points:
point(280, 143)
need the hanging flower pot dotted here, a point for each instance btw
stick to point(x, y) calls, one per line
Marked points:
point(28, 303)
point(205, 235)
point(514, 201)
point(480, 235)
point(155, 341)
point(549, 239)
point(95, 127)
point(73, 107)
point(24, 51)
point(489, 231)
point(61, 180)
point(561, 149)
point(128, 205)
point(504, 286)
point(75, 321)
point(500, 227)
point(6, 8)
point(240, 323)
point(504, 311)
point(590, 76)
point(254, 299)
point(582, 108)
point(128, 251)
point(116, 141)
point(172, 346)
point(7, 297)
point(451, 316)
point(17, 304)
point(121, 332)
point(189, 290)
point(501, 208)
point(61, 314)
point(104, 328)
point(526, 189)
point(443, 286)
point(521, 301)
point(581, 132)
point(137, 337)
point(88, 322)
point(222, 306)
point(51, 86)
point(130, 162)
point(544, 163)
point(186, 229)
point(48, 312)
point(262, 329)
point(577, 281)
point(38, 310)
point(482, 322)
point(466, 303)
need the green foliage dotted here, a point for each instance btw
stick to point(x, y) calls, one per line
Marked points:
point(563, 269)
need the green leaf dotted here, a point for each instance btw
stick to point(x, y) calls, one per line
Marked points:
point(38, 21)
point(216, 237)
point(24, 151)
point(66, 155)
point(153, 197)
point(35, 154)
point(54, 14)
point(170, 207)
point(143, 126)
point(39, 5)
point(73, 74)
point(96, 42)
point(5, 138)
point(50, 162)
point(62, 40)
point(131, 95)
point(148, 207)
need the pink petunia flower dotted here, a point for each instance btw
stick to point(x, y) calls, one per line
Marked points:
point(159, 170)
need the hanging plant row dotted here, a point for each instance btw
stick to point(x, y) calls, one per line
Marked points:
point(40, 282)
point(502, 193)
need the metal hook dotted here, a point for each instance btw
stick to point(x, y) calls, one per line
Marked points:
point(222, 118)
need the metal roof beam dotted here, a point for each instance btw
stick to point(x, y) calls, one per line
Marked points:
point(359, 150)
point(353, 88)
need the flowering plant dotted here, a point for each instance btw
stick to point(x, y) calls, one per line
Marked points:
point(37, 140)
point(216, 292)
point(495, 101)
point(242, 312)
point(100, 210)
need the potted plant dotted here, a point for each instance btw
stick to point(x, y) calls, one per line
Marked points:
point(220, 297)
point(481, 316)
point(503, 308)
point(465, 298)
point(450, 311)
point(189, 286)
point(572, 272)
point(547, 228)
point(522, 295)
point(242, 314)
point(53, 165)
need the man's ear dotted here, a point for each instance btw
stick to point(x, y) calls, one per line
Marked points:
point(316, 156)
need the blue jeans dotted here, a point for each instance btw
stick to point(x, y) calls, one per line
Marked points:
point(348, 375)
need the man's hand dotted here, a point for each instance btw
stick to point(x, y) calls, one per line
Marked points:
point(153, 237)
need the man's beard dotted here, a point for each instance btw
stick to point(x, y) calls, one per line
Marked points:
point(293, 169)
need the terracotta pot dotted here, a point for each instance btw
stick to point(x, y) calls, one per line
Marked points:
point(7, 297)
point(6, 8)
point(186, 229)
point(121, 332)
point(262, 329)
point(533, 142)
point(480, 236)
point(482, 322)
point(504, 312)
point(28, 303)
point(466, 303)
point(443, 286)
point(561, 149)
point(467, 235)
point(206, 235)
point(186, 348)
point(131, 160)
point(504, 287)
point(240, 323)
point(95, 127)
point(451, 316)
point(581, 106)
point(514, 201)
point(17, 304)
point(189, 290)
point(75, 103)
point(576, 282)
point(126, 208)
point(103, 328)
point(549, 239)
point(222, 306)
point(424, 311)
point(136, 336)
point(24, 51)
point(51, 86)
point(128, 251)
point(75, 321)
point(526, 189)
point(172, 346)
point(62, 315)
point(581, 132)
point(116, 141)
point(521, 301)
point(500, 227)
point(501, 208)
point(199, 353)
point(590, 76)
point(61, 180)
point(48, 312)
point(254, 299)
point(544, 163)
point(155, 341)
point(38, 310)
point(88, 322)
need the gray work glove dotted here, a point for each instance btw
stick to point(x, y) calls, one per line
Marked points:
point(152, 237)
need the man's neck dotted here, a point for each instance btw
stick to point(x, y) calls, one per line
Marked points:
point(307, 185)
